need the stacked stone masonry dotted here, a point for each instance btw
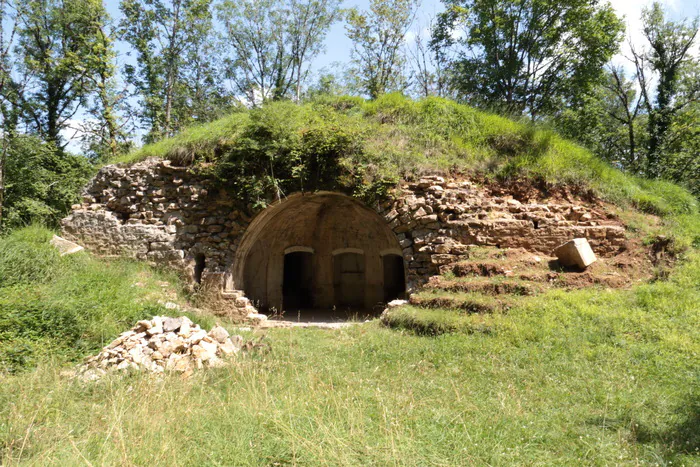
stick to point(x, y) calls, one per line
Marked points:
point(174, 216)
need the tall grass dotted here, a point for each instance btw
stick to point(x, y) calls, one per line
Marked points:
point(66, 306)
point(591, 377)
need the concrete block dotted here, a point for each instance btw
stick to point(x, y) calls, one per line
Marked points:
point(65, 247)
point(576, 252)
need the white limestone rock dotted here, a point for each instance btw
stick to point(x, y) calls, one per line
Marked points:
point(65, 247)
point(156, 345)
point(576, 252)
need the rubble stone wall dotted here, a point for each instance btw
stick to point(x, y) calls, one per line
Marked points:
point(172, 215)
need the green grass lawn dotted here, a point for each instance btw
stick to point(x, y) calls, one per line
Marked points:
point(591, 377)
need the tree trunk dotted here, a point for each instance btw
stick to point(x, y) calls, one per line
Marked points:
point(3, 159)
point(108, 116)
point(107, 106)
point(52, 105)
point(630, 133)
point(172, 70)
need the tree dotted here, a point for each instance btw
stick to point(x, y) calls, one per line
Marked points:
point(429, 76)
point(309, 22)
point(609, 120)
point(9, 21)
point(526, 57)
point(63, 53)
point(102, 130)
point(378, 36)
point(272, 43)
point(169, 38)
point(647, 123)
point(334, 80)
point(668, 52)
point(260, 66)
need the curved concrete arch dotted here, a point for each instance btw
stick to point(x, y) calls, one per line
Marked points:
point(299, 249)
point(341, 251)
point(324, 223)
point(391, 251)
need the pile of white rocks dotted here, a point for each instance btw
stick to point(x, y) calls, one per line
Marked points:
point(164, 344)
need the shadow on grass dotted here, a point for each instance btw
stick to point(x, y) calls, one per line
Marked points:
point(683, 438)
point(680, 439)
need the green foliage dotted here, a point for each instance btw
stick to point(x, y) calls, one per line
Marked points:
point(610, 121)
point(670, 50)
point(41, 182)
point(679, 161)
point(65, 307)
point(365, 147)
point(641, 127)
point(378, 36)
point(526, 57)
point(64, 54)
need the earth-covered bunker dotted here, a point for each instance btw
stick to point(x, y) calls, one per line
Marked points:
point(320, 249)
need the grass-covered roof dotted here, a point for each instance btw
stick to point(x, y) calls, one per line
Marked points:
point(364, 147)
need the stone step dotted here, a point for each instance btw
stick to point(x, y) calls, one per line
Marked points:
point(232, 294)
point(478, 268)
point(468, 304)
point(497, 270)
point(485, 286)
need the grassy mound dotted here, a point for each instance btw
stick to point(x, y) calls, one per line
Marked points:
point(586, 377)
point(363, 148)
point(66, 307)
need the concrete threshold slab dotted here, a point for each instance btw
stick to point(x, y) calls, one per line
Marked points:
point(313, 324)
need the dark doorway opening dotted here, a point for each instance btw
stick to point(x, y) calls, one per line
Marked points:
point(296, 285)
point(349, 280)
point(200, 262)
point(394, 277)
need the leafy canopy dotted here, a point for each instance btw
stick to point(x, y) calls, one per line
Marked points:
point(526, 56)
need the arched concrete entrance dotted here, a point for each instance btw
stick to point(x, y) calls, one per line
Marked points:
point(319, 251)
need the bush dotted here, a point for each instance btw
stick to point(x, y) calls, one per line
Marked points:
point(41, 182)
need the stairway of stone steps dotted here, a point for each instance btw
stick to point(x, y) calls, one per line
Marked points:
point(243, 304)
point(490, 280)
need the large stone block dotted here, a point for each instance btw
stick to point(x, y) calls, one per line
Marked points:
point(65, 247)
point(576, 252)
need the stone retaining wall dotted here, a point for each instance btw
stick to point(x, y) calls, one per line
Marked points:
point(172, 215)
